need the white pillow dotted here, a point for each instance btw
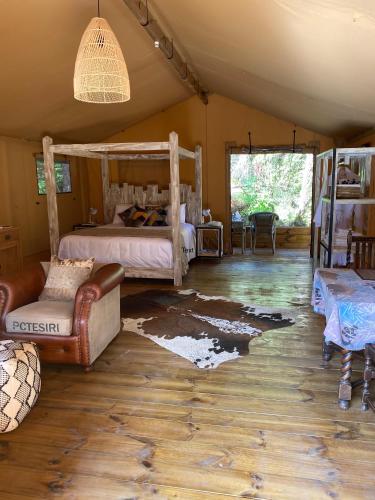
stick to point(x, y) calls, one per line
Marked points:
point(182, 214)
point(120, 208)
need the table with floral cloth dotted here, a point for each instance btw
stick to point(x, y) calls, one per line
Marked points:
point(348, 304)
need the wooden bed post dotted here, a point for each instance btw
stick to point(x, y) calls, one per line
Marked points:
point(105, 185)
point(198, 184)
point(175, 206)
point(53, 216)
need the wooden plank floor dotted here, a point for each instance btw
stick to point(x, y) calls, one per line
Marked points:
point(148, 424)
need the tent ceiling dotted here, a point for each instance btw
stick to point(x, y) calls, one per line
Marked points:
point(311, 62)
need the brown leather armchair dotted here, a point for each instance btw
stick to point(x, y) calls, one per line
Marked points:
point(91, 331)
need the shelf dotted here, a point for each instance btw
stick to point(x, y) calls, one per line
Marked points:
point(352, 152)
point(351, 201)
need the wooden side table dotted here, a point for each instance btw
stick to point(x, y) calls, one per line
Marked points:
point(10, 250)
point(217, 250)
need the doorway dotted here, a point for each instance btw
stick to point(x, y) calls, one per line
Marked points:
point(279, 182)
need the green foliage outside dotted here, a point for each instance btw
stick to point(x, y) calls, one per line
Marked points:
point(62, 176)
point(273, 182)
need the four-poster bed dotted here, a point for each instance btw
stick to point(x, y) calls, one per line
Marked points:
point(114, 195)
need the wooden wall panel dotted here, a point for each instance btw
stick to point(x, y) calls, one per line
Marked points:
point(286, 237)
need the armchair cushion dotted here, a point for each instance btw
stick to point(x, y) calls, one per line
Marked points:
point(65, 277)
point(43, 317)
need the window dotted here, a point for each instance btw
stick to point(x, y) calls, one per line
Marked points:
point(272, 182)
point(62, 176)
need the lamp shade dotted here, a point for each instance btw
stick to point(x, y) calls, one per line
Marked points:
point(100, 73)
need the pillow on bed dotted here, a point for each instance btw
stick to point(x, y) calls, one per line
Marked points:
point(182, 213)
point(65, 277)
point(157, 217)
point(135, 216)
point(125, 215)
point(120, 208)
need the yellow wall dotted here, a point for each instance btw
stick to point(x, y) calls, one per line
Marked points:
point(20, 204)
point(222, 120)
point(368, 139)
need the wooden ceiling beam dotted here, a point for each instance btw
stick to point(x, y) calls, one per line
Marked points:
point(143, 15)
point(140, 156)
point(72, 149)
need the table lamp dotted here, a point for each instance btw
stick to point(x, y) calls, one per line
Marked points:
point(92, 213)
point(207, 213)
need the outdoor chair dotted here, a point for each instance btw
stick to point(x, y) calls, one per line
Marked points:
point(263, 223)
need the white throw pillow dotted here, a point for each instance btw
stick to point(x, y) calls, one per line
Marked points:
point(182, 214)
point(120, 208)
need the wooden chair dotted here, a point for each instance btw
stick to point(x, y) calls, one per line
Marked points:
point(263, 223)
point(364, 258)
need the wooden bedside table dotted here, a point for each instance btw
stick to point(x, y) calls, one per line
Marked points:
point(10, 250)
point(217, 231)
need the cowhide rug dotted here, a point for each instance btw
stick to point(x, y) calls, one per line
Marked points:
point(205, 330)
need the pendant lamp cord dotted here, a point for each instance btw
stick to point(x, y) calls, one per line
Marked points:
point(98, 8)
point(294, 140)
point(250, 145)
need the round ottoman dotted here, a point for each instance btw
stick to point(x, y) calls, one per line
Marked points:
point(19, 382)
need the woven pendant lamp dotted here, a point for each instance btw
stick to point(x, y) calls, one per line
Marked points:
point(100, 73)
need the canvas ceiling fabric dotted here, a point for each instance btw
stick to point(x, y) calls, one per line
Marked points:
point(305, 61)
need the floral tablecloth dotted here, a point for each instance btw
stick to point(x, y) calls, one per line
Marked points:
point(348, 303)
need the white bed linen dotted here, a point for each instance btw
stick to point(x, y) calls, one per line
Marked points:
point(127, 251)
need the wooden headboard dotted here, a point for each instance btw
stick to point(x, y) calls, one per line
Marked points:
point(150, 195)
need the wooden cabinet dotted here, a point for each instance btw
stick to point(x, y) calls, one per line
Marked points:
point(10, 250)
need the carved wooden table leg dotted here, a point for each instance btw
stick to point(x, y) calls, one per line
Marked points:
point(368, 375)
point(345, 385)
point(328, 348)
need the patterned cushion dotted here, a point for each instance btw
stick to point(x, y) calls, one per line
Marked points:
point(135, 216)
point(65, 277)
point(97, 265)
point(119, 209)
point(19, 382)
point(157, 217)
point(126, 214)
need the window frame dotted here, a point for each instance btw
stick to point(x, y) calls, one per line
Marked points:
point(57, 159)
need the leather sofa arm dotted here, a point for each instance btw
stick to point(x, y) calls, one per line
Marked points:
point(103, 281)
point(19, 289)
